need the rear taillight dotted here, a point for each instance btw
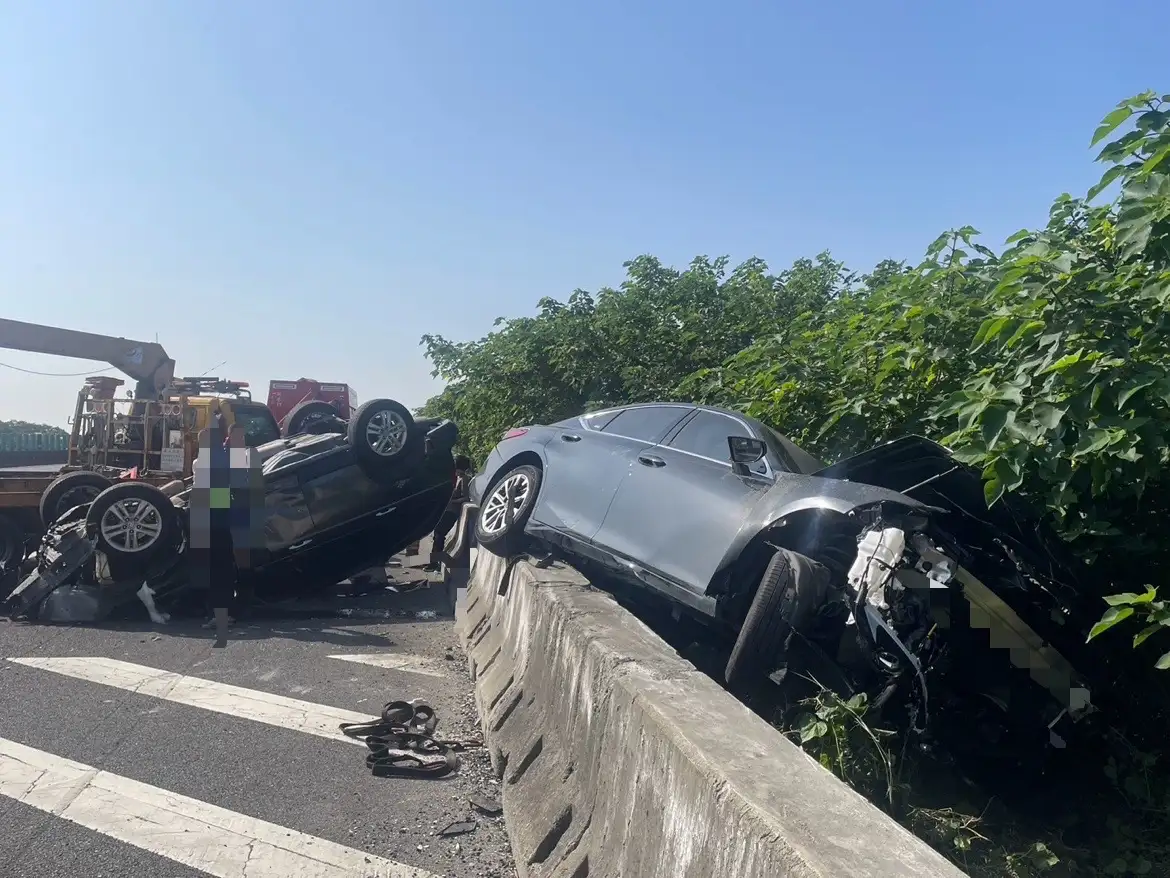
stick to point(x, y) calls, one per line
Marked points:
point(515, 432)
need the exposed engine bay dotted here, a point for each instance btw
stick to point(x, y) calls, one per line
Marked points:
point(954, 613)
point(73, 581)
point(923, 619)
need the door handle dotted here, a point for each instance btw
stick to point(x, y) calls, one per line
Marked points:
point(299, 545)
point(385, 512)
point(651, 460)
point(570, 437)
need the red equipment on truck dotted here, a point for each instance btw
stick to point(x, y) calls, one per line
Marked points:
point(296, 405)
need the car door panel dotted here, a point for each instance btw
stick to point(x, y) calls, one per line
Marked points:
point(576, 485)
point(585, 467)
point(412, 503)
point(338, 491)
point(287, 519)
point(677, 512)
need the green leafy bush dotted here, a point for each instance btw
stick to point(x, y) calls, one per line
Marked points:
point(1044, 840)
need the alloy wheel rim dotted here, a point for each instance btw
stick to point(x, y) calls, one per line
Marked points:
point(386, 433)
point(505, 503)
point(132, 525)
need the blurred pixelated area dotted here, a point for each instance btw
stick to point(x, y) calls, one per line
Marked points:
point(227, 477)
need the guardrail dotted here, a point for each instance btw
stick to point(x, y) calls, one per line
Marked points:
point(618, 758)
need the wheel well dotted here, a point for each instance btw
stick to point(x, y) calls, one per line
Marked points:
point(824, 535)
point(530, 458)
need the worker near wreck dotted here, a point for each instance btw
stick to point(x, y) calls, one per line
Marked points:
point(227, 505)
point(450, 515)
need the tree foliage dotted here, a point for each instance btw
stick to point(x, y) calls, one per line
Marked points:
point(1046, 365)
point(632, 344)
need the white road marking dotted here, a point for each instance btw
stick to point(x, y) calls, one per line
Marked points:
point(213, 840)
point(262, 707)
point(396, 661)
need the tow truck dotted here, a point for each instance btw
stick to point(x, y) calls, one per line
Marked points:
point(151, 434)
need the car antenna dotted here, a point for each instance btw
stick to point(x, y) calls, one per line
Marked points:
point(213, 368)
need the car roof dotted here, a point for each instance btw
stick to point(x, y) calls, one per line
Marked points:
point(804, 461)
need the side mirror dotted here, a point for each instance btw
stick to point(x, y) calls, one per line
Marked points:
point(745, 451)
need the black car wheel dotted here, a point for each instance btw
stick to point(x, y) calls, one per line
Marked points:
point(306, 415)
point(69, 490)
point(506, 509)
point(790, 591)
point(382, 433)
point(134, 521)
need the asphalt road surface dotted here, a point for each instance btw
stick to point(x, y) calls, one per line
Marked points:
point(140, 750)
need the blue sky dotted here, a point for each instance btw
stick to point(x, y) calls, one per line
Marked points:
point(305, 188)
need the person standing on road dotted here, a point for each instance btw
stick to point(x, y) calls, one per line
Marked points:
point(247, 512)
point(224, 521)
point(451, 513)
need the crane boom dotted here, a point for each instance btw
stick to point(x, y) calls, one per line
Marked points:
point(146, 362)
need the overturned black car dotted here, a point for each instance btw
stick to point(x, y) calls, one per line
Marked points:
point(335, 505)
point(886, 573)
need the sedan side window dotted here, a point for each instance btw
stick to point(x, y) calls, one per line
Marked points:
point(597, 420)
point(649, 423)
point(706, 435)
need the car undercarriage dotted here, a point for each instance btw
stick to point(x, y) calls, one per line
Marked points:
point(320, 508)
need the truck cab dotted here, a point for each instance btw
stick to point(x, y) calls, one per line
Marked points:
point(205, 396)
point(160, 436)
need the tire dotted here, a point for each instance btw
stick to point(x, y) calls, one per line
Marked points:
point(145, 505)
point(69, 490)
point(383, 435)
point(11, 546)
point(790, 591)
point(307, 412)
point(493, 531)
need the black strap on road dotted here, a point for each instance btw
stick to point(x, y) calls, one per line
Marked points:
point(402, 742)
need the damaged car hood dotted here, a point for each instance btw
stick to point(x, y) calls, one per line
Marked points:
point(58, 590)
point(1008, 545)
point(61, 555)
point(927, 472)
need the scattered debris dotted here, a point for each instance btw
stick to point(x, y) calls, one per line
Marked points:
point(402, 742)
point(460, 828)
point(487, 806)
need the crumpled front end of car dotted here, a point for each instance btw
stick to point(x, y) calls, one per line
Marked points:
point(969, 615)
point(920, 615)
point(74, 582)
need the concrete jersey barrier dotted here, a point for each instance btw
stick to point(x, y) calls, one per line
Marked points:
point(618, 758)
